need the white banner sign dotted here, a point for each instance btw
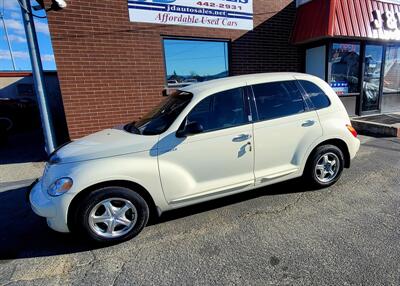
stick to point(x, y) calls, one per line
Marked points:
point(225, 14)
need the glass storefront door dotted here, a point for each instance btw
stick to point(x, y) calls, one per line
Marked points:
point(391, 80)
point(372, 78)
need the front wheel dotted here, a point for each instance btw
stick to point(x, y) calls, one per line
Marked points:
point(112, 215)
point(325, 166)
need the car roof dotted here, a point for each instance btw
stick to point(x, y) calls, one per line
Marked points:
point(217, 85)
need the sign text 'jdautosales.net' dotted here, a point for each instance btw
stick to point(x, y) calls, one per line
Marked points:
point(226, 14)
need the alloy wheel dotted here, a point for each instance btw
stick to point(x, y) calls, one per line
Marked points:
point(327, 167)
point(113, 217)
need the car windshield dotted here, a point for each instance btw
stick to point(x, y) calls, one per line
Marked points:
point(162, 116)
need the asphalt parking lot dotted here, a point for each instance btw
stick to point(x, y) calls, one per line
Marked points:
point(285, 234)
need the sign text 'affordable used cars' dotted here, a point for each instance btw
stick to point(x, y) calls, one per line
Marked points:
point(226, 14)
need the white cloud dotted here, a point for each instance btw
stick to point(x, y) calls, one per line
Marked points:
point(41, 27)
point(15, 25)
point(21, 55)
point(18, 28)
point(48, 58)
point(11, 5)
point(16, 39)
point(5, 55)
point(15, 15)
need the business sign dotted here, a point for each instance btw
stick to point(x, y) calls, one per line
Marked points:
point(340, 87)
point(390, 1)
point(225, 14)
point(389, 22)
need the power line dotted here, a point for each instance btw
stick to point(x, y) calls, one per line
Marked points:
point(7, 39)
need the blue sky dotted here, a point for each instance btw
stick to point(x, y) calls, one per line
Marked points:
point(200, 57)
point(16, 32)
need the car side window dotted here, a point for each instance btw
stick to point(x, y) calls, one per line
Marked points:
point(201, 113)
point(316, 95)
point(221, 110)
point(278, 99)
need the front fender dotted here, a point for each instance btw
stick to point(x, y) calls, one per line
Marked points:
point(138, 168)
point(141, 169)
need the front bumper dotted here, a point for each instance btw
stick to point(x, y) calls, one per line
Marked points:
point(49, 207)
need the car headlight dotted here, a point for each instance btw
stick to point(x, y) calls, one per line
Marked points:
point(60, 187)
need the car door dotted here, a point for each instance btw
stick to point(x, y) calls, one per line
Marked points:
point(217, 160)
point(286, 127)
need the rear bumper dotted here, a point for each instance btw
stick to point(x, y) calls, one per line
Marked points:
point(354, 147)
point(49, 207)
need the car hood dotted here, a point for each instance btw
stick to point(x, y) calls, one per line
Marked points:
point(106, 143)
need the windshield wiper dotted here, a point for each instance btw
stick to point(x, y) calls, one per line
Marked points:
point(131, 128)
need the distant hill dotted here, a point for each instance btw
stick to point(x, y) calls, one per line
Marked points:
point(198, 78)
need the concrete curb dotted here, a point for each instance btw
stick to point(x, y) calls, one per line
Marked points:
point(17, 172)
point(373, 128)
point(4, 187)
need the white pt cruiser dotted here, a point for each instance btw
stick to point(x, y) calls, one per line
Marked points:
point(205, 141)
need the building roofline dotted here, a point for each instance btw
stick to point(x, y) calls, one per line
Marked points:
point(21, 73)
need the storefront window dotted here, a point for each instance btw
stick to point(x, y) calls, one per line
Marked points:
point(391, 81)
point(191, 61)
point(344, 63)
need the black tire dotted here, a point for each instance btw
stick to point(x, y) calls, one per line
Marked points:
point(94, 198)
point(311, 175)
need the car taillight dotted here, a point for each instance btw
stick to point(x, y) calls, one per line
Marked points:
point(352, 130)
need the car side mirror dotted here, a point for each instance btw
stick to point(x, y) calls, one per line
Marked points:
point(191, 128)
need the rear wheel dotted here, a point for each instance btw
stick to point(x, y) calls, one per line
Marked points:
point(112, 215)
point(325, 166)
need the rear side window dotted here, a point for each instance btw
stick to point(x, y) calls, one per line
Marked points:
point(316, 95)
point(221, 110)
point(278, 99)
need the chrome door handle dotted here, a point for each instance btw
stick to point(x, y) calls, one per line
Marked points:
point(241, 137)
point(308, 123)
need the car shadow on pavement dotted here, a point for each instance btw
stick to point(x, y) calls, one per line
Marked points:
point(25, 235)
point(23, 147)
point(289, 187)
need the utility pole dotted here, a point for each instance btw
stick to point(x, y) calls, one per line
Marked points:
point(38, 78)
point(8, 40)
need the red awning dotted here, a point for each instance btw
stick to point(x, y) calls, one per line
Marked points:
point(375, 19)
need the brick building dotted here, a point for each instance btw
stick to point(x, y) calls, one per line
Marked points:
point(112, 70)
point(112, 66)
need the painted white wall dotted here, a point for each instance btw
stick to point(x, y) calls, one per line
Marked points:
point(9, 85)
point(315, 61)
